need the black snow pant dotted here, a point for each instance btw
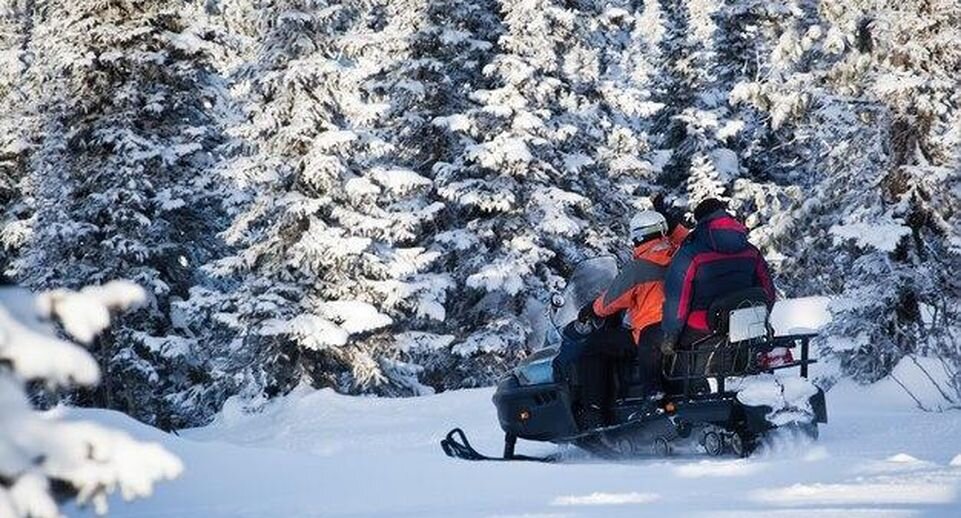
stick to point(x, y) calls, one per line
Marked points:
point(606, 348)
point(648, 360)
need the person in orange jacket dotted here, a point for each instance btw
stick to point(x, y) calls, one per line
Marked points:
point(638, 291)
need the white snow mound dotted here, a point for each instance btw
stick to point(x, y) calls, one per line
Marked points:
point(606, 499)
point(902, 458)
point(788, 398)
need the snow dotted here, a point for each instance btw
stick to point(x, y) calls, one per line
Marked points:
point(398, 180)
point(37, 356)
point(355, 316)
point(853, 494)
point(317, 453)
point(359, 187)
point(725, 163)
point(846, 343)
point(606, 499)
point(501, 275)
point(417, 341)
point(488, 196)
point(27, 343)
point(456, 123)
point(801, 315)
point(85, 313)
point(574, 162)
point(168, 201)
point(553, 205)
point(730, 129)
point(902, 458)
point(882, 236)
point(37, 448)
point(333, 138)
point(311, 331)
point(332, 328)
point(120, 463)
point(457, 239)
point(716, 468)
point(498, 152)
point(927, 380)
point(786, 395)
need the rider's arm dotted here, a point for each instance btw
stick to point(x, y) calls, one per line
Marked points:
point(620, 294)
point(615, 298)
point(677, 293)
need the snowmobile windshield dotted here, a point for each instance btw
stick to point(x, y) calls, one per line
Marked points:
point(589, 279)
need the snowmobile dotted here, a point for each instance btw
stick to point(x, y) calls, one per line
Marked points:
point(540, 398)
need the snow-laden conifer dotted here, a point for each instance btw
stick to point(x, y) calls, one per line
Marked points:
point(122, 104)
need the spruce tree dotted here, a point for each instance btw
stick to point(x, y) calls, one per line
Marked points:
point(871, 113)
point(117, 183)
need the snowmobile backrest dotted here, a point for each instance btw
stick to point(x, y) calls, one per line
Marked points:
point(747, 323)
point(721, 314)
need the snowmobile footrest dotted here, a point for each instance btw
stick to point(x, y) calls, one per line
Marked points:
point(456, 445)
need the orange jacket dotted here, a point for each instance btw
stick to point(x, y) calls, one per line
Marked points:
point(639, 286)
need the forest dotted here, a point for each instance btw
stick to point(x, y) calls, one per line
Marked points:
point(377, 196)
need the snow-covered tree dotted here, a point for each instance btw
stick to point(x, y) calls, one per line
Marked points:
point(46, 459)
point(866, 89)
point(550, 159)
point(332, 203)
point(15, 124)
point(117, 181)
point(404, 180)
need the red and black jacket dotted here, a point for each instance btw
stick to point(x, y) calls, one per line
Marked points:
point(715, 260)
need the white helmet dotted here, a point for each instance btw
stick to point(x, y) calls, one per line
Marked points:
point(647, 222)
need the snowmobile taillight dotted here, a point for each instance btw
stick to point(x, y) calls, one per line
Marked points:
point(524, 415)
point(775, 358)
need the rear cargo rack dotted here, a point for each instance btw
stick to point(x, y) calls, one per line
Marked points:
point(721, 359)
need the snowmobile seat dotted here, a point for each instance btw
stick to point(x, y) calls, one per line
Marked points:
point(722, 352)
point(725, 351)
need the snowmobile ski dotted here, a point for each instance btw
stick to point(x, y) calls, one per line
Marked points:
point(456, 445)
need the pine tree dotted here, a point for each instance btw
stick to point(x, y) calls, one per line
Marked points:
point(116, 182)
point(332, 203)
point(404, 181)
point(876, 143)
point(552, 158)
point(16, 124)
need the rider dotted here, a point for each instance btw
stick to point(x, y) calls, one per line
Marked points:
point(714, 261)
point(638, 289)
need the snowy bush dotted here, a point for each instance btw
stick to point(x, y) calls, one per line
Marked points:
point(45, 459)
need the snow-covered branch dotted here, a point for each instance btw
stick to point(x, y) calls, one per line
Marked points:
point(41, 450)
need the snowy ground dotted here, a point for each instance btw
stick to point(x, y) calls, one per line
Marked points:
point(316, 453)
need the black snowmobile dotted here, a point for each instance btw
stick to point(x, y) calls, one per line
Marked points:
point(540, 398)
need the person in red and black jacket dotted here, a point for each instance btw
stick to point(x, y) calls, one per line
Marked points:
point(714, 260)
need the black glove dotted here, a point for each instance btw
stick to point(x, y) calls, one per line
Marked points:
point(658, 202)
point(667, 345)
point(586, 314)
